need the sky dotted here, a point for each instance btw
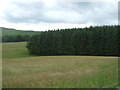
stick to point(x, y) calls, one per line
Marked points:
point(42, 15)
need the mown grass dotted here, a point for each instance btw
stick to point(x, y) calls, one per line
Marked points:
point(56, 71)
point(14, 50)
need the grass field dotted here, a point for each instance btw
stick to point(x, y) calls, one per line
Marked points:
point(14, 50)
point(23, 71)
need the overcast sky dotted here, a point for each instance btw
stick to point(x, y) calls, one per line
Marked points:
point(50, 14)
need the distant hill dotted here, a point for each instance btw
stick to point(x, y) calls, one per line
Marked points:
point(13, 35)
point(12, 32)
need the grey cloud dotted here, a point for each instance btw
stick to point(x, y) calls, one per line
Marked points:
point(63, 12)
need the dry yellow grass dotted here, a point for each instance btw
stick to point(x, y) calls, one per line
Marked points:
point(60, 71)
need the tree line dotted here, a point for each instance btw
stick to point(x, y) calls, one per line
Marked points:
point(15, 38)
point(97, 40)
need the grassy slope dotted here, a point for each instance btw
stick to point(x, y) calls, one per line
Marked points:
point(10, 32)
point(20, 70)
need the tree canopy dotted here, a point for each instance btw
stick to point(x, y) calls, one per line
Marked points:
point(97, 40)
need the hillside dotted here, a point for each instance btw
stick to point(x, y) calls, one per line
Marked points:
point(13, 35)
point(11, 32)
